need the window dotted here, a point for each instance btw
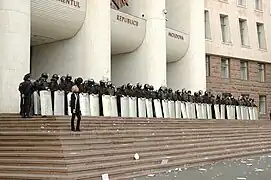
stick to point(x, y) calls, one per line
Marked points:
point(261, 72)
point(207, 25)
point(224, 68)
point(243, 32)
point(241, 2)
point(244, 70)
point(261, 35)
point(225, 31)
point(258, 4)
point(262, 104)
point(207, 61)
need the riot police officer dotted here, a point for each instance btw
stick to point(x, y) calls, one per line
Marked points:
point(54, 86)
point(26, 90)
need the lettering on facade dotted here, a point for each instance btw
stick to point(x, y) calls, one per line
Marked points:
point(127, 20)
point(176, 36)
point(74, 3)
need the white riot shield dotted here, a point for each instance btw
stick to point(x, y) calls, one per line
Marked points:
point(171, 107)
point(132, 107)
point(242, 112)
point(36, 103)
point(217, 111)
point(183, 110)
point(209, 111)
point(94, 105)
point(59, 101)
point(250, 113)
point(222, 111)
point(204, 111)
point(238, 113)
point(142, 107)
point(124, 104)
point(256, 115)
point(114, 106)
point(199, 111)
point(106, 102)
point(246, 113)
point(84, 104)
point(178, 109)
point(188, 109)
point(228, 111)
point(69, 103)
point(46, 103)
point(149, 108)
point(193, 110)
point(158, 108)
point(165, 108)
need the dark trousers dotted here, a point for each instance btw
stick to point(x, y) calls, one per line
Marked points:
point(78, 115)
point(66, 103)
point(25, 106)
point(53, 100)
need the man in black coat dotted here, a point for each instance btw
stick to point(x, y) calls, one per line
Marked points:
point(26, 90)
point(75, 108)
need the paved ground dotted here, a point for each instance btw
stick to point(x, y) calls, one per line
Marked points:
point(253, 168)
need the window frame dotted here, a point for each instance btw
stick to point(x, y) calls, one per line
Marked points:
point(246, 70)
point(265, 104)
point(207, 65)
point(226, 67)
point(261, 72)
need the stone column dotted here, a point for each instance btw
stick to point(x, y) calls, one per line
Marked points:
point(148, 63)
point(14, 51)
point(190, 72)
point(97, 37)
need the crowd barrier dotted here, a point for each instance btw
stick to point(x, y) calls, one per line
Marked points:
point(139, 107)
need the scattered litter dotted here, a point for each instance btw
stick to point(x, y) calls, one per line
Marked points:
point(259, 170)
point(151, 175)
point(202, 169)
point(176, 169)
point(164, 161)
point(269, 156)
point(180, 169)
point(249, 164)
point(250, 159)
point(73, 153)
point(244, 162)
point(241, 178)
point(169, 171)
point(42, 127)
point(105, 177)
point(136, 156)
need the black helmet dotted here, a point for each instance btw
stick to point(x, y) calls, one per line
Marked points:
point(44, 75)
point(55, 76)
point(151, 87)
point(102, 83)
point(78, 80)
point(129, 86)
point(109, 84)
point(138, 85)
point(91, 81)
point(62, 78)
point(27, 76)
point(68, 77)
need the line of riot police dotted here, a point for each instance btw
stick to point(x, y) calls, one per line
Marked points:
point(159, 99)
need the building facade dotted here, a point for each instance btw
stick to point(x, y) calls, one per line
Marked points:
point(237, 34)
point(177, 43)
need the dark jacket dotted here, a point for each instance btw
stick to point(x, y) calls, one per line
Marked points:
point(75, 103)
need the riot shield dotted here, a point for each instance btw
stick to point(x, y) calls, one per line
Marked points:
point(94, 105)
point(149, 108)
point(158, 108)
point(188, 109)
point(84, 104)
point(233, 110)
point(114, 106)
point(228, 111)
point(171, 108)
point(256, 115)
point(222, 111)
point(199, 111)
point(37, 110)
point(141, 107)
point(178, 109)
point(209, 111)
point(238, 113)
point(165, 108)
point(59, 108)
point(204, 111)
point(193, 111)
point(183, 110)
point(217, 111)
point(46, 103)
point(242, 109)
point(124, 104)
point(106, 101)
point(132, 107)
point(246, 113)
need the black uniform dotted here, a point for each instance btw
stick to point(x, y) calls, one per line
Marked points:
point(26, 90)
point(53, 86)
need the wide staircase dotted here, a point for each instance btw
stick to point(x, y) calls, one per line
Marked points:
point(44, 148)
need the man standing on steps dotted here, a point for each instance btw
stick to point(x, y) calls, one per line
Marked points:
point(26, 90)
point(75, 108)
